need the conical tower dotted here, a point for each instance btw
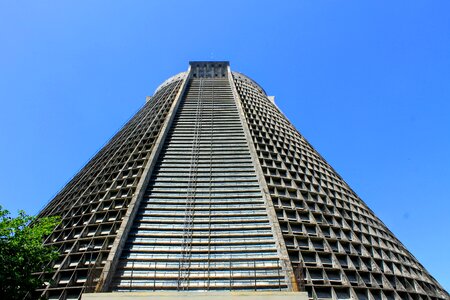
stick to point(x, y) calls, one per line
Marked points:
point(210, 188)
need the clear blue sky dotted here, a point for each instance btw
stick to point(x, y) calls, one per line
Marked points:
point(366, 82)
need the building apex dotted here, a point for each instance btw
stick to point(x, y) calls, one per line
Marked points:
point(209, 62)
point(209, 69)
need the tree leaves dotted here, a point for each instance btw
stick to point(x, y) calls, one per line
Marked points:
point(22, 252)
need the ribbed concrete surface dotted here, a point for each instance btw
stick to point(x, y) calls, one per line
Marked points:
point(199, 296)
point(202, 224)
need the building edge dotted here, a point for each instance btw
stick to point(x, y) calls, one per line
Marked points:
point(273, 220)
point(122, 234)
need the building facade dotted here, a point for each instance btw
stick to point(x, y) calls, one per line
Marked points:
point(210, 188)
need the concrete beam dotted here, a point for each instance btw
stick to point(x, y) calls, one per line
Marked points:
point(198, 296)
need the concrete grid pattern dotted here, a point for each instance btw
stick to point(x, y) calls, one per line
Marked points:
point(338, 247)
point(210, 188)
point(202, 224)
point(94, 202)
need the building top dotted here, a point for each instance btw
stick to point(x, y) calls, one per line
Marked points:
point(209, 69)
point(176, 77)
point(248, 79)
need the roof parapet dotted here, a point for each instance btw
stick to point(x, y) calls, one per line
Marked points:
point(209, 69)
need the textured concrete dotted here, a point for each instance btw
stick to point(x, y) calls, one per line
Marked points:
point(200, 296)
point(238, 200)
point(122, 233)
point(236, 249)
point(276, 230)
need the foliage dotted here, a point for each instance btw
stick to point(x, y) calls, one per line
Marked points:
point(22, 252)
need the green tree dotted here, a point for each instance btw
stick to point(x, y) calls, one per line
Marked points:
point(22, 253)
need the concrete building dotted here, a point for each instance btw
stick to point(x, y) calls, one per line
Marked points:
point(209, 188)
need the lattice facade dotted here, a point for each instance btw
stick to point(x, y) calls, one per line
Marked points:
point(342, 248)
point(210, 188)
point(94, 202)
point(202, 224)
